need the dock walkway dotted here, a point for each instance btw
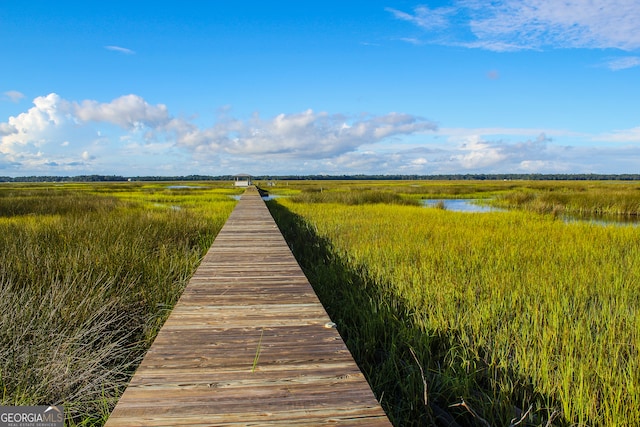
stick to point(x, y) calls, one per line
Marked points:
point(248, 343)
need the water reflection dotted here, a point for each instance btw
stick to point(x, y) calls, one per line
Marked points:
point(459, 205)
point(182, 187)
point(471, 205)
point(603, 219)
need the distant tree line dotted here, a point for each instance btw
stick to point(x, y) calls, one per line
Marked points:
point(449, 177)
point(111, 178)
point(458, 177)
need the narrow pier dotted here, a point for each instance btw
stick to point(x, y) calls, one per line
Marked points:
point(248, 343)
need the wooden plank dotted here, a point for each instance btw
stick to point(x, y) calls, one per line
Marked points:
point(248, 343)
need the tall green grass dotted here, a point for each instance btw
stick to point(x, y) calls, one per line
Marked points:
point(510, 315)
point(88, 275)
point(358, 197)
point(586, 200)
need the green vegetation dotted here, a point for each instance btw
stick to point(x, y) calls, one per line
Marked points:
point(477, 319)
point(480, 319)
point(348, 197)
point(577, 199)
point(89, 273)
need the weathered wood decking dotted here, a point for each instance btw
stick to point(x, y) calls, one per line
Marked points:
point(247, 344)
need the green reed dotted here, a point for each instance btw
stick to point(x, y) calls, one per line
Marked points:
point(511, 314)
point(88, 276)
point(578, 199)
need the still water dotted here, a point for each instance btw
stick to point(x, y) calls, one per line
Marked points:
point(471, 205)
point(460, 205)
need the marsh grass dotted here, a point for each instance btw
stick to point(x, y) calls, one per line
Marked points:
point(360, 197)
point(505, 311)
point(577, 199)
point(88, 275)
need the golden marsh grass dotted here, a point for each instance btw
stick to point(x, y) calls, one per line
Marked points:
point(505, 311)
point(89, 272)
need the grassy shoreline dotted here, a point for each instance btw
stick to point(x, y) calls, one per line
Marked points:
point(89, 273)
point(498, 312)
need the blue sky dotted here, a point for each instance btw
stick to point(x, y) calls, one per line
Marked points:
point(378, 87)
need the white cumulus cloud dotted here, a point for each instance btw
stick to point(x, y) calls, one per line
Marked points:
point(129, 131)
point(307, 134)
point(128, 112)
point(476, 153)
point(33, 125)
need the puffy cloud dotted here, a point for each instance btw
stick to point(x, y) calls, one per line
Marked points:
point(460, 154)
point(306, 135)
point(536, 165)
point(7, 129)
point(47, 110)
point(31, 127)
point(507, 25)
point(473, 153)
point(57, 132)
point(128, 112)
point(130, 136)
point(469, 154)
point(477, 153)
point(60, 136)
point(7, 163)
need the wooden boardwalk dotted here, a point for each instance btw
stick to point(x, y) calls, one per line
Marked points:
point(248, 343)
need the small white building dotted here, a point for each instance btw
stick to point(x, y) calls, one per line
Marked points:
point(242, 180)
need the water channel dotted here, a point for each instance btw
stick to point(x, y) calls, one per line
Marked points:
point(459, 205)
point(471, 205)
point(185, 187)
